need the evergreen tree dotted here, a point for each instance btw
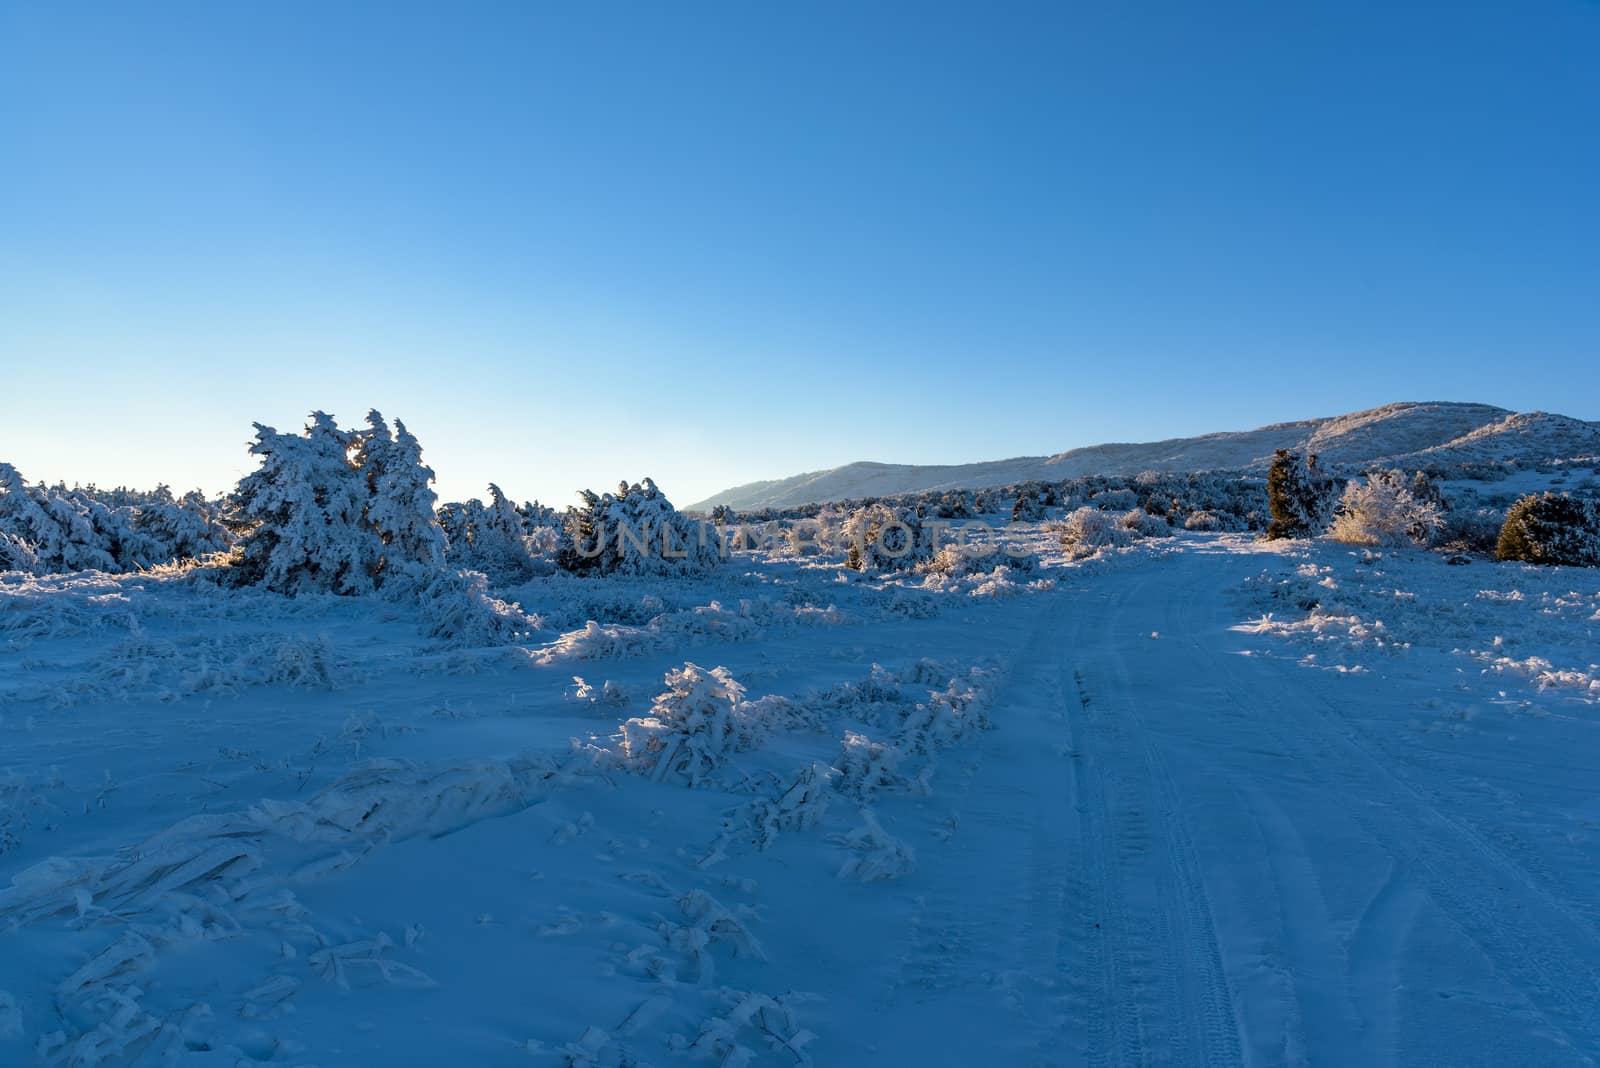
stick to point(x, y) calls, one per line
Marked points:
point(184, 530)
point(500, 542)
point(637, 531)
point(400, 498)
point(30, 529)
point(1299, 497)
point(301, 514)
point(1551, 528)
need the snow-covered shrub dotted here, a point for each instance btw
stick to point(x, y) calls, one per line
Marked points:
point(946, 717)
point(1300, 498)
point(692, 727)
point(1204, 521)
point(864, 767)
point(456, 606)
point(960, 561)
point(608, 693)
point(636, 531)
point(876, 854)
point(882, 537)
point(1145, 525)
point(301, 516)
point(1471, 530)
point(1029, 508)
point(1115, 500)
point(1551, 528)
point(798, 807)
point(1381, 510)
point(1088, 530)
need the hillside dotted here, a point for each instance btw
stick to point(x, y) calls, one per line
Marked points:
point(1437, 432)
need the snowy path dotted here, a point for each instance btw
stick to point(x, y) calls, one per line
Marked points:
point(1255, 873)
point(1188, 841)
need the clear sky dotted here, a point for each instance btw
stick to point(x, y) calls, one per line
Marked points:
point(715, 243)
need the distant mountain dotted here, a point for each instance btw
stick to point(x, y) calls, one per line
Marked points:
point(1434, 433)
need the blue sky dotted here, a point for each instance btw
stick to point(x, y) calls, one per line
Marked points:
point(715, 243)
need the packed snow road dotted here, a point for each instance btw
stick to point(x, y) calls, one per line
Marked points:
point(1240, 804)
point(1197, 849)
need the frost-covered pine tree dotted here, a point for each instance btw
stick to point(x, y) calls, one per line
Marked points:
point(187, 529)
point(77, 546)
point(500, 541)
point(30, 531)
point(1551, 528)
point(400, 499)
point(301, 514)
point(114, 530)
point(1300, 498)
point(637, 531)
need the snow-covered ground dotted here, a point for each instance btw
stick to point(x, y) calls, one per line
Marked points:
point(1198, 801)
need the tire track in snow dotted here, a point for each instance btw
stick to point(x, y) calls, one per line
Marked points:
point(1163, 989)
point(1527, 933)
point(1196, 978)
point(1376, 949)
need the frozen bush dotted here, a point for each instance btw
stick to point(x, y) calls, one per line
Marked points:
point(1115, 500)
point(882, 537)
point(188, 529)
point(1551, 528)
point(456, 606)
point(1475, 530)
point(692, 727)
point(1088, 530)
point(1030, 508)
point(1145, 525)
point(961, 561)
point(1204, 521)
point(864, 767)
point(800, 806)
point(876, 854)
point(1381, 510)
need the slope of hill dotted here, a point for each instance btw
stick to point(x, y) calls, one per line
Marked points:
point(1436, 432)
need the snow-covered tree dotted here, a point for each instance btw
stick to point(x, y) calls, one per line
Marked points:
point(637, 531)
point(115, 531)
point(187, 529)
point(301, 516)
point(27, 524)
point(1381, 510)
point(501, 540)
point(1300, 498)
point(1552, 528)
point(400, 498)
point(883, 537)
point(58, 526)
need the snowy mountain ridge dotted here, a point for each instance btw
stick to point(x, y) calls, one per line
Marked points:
point(1404, 433)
